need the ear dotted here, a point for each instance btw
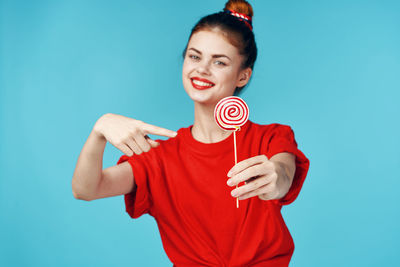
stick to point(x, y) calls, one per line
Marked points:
point(244, 77)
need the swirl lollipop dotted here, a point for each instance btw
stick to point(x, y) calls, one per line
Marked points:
point(230, 113)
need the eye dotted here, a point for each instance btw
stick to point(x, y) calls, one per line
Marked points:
point(220, 63)
point(194, 57)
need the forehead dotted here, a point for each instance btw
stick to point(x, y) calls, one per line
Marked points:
point(212, 42)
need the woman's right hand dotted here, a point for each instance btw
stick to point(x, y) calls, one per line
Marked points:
point(127, 134)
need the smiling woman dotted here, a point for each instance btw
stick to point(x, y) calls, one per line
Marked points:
point(183, 181)
point(237, 32)
point(212, 62)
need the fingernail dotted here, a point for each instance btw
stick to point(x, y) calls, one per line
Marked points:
point(229, 173)
point(233, 193)
point(229, 182)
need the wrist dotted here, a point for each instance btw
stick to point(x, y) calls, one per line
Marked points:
point(283, 181)
point(97, 132)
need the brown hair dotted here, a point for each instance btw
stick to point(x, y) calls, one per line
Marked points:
point(240, 6)
point(238, 33)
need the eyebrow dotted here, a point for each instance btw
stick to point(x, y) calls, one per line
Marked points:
point(213, 56)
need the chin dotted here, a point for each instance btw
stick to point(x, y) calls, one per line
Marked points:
point(201, 98)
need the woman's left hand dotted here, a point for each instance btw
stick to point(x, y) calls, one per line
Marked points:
point(266, 178)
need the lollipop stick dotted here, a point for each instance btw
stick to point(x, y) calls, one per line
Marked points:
point(230, 113)
point(234, 144)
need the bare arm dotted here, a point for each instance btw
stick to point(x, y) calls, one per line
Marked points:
point(285, 168)
point(90, 181)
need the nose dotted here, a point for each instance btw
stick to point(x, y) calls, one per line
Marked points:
point(203, 68)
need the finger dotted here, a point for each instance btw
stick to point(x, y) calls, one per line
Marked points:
point(251, 186)
point(142, 143)
point(244, 164)
point(272, 177)
point(246, 174)
point(152, 142)
point(269, 192)
point(152, 129)
point(126, 150)
point(257, 192)
point(134, 147)
point(266, 192)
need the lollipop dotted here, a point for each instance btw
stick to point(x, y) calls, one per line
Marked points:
point(230, 113)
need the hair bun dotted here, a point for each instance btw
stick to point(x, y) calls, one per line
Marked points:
point(240, 6)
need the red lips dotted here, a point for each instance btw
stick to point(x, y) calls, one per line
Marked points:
point(201, 86)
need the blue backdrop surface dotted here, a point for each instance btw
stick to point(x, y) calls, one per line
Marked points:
point(329, 69)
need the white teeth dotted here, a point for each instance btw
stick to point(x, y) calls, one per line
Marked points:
point(200, 83)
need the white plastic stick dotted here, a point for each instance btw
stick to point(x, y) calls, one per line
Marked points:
point(234, 144)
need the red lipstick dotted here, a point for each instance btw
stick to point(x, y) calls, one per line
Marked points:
point(201, 84)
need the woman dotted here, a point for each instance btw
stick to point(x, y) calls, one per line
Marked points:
point(183, 181)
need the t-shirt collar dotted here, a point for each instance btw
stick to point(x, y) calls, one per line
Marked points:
point(222, 146)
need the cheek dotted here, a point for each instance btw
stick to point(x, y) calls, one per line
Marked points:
point(185, 74)
point(186, 68)
point(228, 77)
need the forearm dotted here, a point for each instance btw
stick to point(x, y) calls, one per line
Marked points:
point(88, 170)
point(285, 168)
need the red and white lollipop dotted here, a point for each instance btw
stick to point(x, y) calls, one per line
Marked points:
point(230, 113)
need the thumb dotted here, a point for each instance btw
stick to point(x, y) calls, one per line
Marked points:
point(152, 142)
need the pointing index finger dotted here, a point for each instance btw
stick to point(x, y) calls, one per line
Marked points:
point(152, 129)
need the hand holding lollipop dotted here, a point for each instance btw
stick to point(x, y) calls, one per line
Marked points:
point(230, 113)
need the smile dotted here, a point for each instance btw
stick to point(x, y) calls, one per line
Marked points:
point(201, 84)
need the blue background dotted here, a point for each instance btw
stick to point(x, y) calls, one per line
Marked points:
point(329, 69)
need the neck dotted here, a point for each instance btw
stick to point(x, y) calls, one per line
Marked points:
point(205, 129)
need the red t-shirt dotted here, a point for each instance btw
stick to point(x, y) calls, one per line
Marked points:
point(182, 184)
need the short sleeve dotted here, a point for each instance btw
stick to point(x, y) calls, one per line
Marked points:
point(139, 201)
point(282, 140)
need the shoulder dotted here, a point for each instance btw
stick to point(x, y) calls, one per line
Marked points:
point(168, 147)
point(154, 160)
point(274, 138)
point(270, 129)
point(269, 134)
point(174, 141)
